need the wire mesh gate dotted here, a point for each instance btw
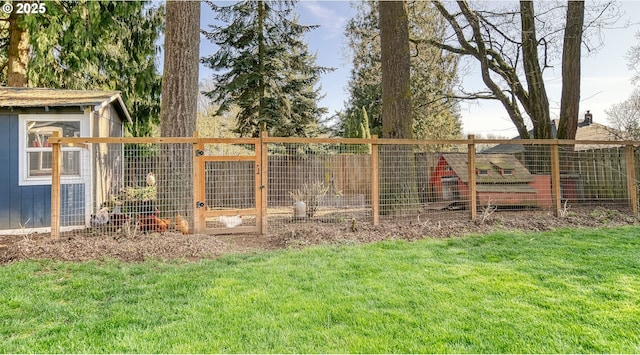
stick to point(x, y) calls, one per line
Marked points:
point(228, 186)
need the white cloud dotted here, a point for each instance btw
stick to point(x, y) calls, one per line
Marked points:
point(324, 14)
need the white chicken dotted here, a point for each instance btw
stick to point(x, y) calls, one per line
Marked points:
point(231, 221)
point(151, 179)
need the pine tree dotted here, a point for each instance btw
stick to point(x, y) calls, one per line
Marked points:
point(99, 45)
point(263, 66)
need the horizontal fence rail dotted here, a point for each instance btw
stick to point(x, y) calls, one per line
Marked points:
point(196, 185)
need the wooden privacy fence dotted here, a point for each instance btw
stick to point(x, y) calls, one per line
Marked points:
point(596, 174)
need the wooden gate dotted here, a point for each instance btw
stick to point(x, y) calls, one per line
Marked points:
point(229, 186)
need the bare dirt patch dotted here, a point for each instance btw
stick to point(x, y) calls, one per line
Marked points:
point(170, 246)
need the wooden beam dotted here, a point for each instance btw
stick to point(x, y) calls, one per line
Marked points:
point(230, 158)
point(257, 158)
point(199, 193)
point(56, 169)
point(230, 140)
point(236, 230)
point(264, 168)
point(234, 212)
point(83, 140)
point(471, 162)
point(555, 180)
point(375, 193)
point(630, 163)
point(78, 141)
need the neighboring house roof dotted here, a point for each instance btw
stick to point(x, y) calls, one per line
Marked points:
point(40, 97)
point(494, 163)
point(585, 131)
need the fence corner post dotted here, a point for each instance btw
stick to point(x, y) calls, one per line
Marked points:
point(375, 186)
point(471, 162)
point(556, 193)
point(56, 167)
point(630, 161)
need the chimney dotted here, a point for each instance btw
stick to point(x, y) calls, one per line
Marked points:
point(588, 118)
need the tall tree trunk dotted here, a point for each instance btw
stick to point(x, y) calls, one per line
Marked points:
point(395, 61)
point(570, 100)
point(18, 56)
point(398, 182)
point(178, 106)
point(261, 85)
point(539, 103)
point(180, 74)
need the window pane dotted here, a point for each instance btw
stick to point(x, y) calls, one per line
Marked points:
point(40, 163)
point(70, 163)
point(39, 152)
point(40, 131)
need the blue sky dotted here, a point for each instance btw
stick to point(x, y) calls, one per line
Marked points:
point(606, 78)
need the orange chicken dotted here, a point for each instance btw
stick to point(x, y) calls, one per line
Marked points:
point(182, 224)
point(151, 223)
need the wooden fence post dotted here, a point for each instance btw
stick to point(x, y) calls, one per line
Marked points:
point(471, 162)
point(555, 179)
point(375, 193)
point(198, 180)
point(630, 163)
point(56, 168)
point(262, 225)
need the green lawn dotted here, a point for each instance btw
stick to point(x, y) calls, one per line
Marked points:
point(564, 291)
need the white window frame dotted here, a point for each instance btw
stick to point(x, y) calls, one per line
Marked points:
point(23, 167)
point(483, 172)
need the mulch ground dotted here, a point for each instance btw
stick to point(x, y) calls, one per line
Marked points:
point(174, 246)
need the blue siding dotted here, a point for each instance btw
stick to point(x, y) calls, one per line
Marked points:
point(9, 175)
point(42, 206)
point(19, 204)
point(72, 204)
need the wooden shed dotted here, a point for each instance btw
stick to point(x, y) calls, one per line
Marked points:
point(500, 178)
point(28, 117)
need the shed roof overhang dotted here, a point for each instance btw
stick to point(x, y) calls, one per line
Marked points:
point(40, 97)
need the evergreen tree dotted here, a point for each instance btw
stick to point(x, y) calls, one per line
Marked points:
point(99, 45)
point(264, 67)
point(433, 72)
point(357, 126)
point(363, 38)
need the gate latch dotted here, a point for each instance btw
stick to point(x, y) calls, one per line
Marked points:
point(199, 204)
point(199, 152)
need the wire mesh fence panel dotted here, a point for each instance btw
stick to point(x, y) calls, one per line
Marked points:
point(131, 189)
point(595, 177)
point(245, 184)
point(174, 184)
point(514, 177)
point(318, 183)
point(417, 181)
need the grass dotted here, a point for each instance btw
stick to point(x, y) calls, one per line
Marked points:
point(558, 292)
